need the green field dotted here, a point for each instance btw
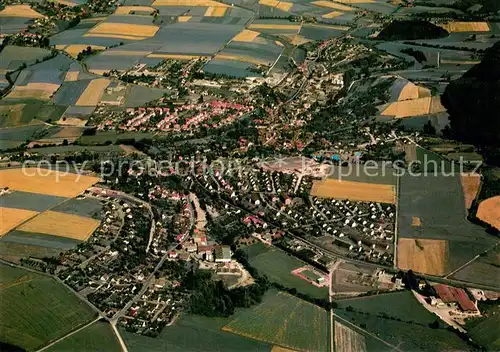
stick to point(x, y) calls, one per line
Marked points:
point(277, 266)
point(485, 330)
point(36, 309)
point(96, 337)
point(284, 320)
point(192, 333)
point(398, 319)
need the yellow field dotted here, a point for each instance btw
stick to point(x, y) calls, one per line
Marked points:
point(71, 76)
point(42, 91)
point(297, 39)
point(409, 91)
point(332, 5)
point(459, 62)
point(356, 191)
point(407, 108)
point(20, 11)
point(62, 225)
point(332, 14)
point(176, 56)
point(436, 106)
point(424, 92)
point(282, 5)
point(422, 255)
point(337, 28)
point(470, 186)
point(68, 132)
point(213, 11)
point(93, 92)
point(71, 121)
point(295, 27)
point(47, 182)
point(11, 218)
point(184, 18)
point(489, 211)
point(246, 36)
point(64, 2)
point(348, 340)
point(126, 10)
point(189, 3)
point(356, 1)
point(457, 27)
point(122, 31)
point(241, 58)
point(75, 49)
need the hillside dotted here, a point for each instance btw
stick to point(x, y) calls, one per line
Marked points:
point(412, 30)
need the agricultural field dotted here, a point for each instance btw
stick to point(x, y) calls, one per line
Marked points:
point(13, 252)
point(484, 330)
point(489, 211)
point(11, 218)
point(347, 340)
point(399, 320)
point(24, 11)
point(102, 137)
point(40, 240)
point(423, 256)
point(285, 321)
point(454, 27)
point(86, 207)
point(97, 337)
point(93, 92)
point(194, 333)
point(46, 312)
point(278, 267)
point(355, 191)
point(41, 181)
point(62, 225)
point(470, 184)
point(483, 269)
point(413, 107)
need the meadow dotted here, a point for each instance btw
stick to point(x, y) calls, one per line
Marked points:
point(194, 333)
point(285, 321)
point(96, 337)
point(278, 265)
point(46, 312)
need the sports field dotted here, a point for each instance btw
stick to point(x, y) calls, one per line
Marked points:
point(46, 311)
point(285, 321)
point(46, 182)
point(423, 255)
point(356, 191)
point(12, 217)
point(278, 267)
point(62, 225)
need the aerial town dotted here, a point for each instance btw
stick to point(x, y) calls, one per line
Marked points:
point(249, 175)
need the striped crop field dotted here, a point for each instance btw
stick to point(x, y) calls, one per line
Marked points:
point(355, 191)
point(246, 36)
point(248, 59)
point(61, 225)
point(189, 3)
point(214, 11)
point(176, 56)
point(75, 49)
point(423, 255)
point(93, 92)
point(24, 11)
point(127, 10)
point(122, 31)
point(71, 76)
point(294, 27)
point(47, 182)
point(12, 217)
point(458, 27)
point(332, 14)
point(42, 91)
point(332, 5)
point(347, 340)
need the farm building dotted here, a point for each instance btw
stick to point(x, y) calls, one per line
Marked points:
point(222, 254)
point(450, 294)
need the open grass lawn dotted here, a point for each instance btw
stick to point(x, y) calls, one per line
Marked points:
point(400, 320)
point(36, 309)
point(191, 334)
point(284, 320)
point(485, 330)
point(96, 337)
point(277, 266)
